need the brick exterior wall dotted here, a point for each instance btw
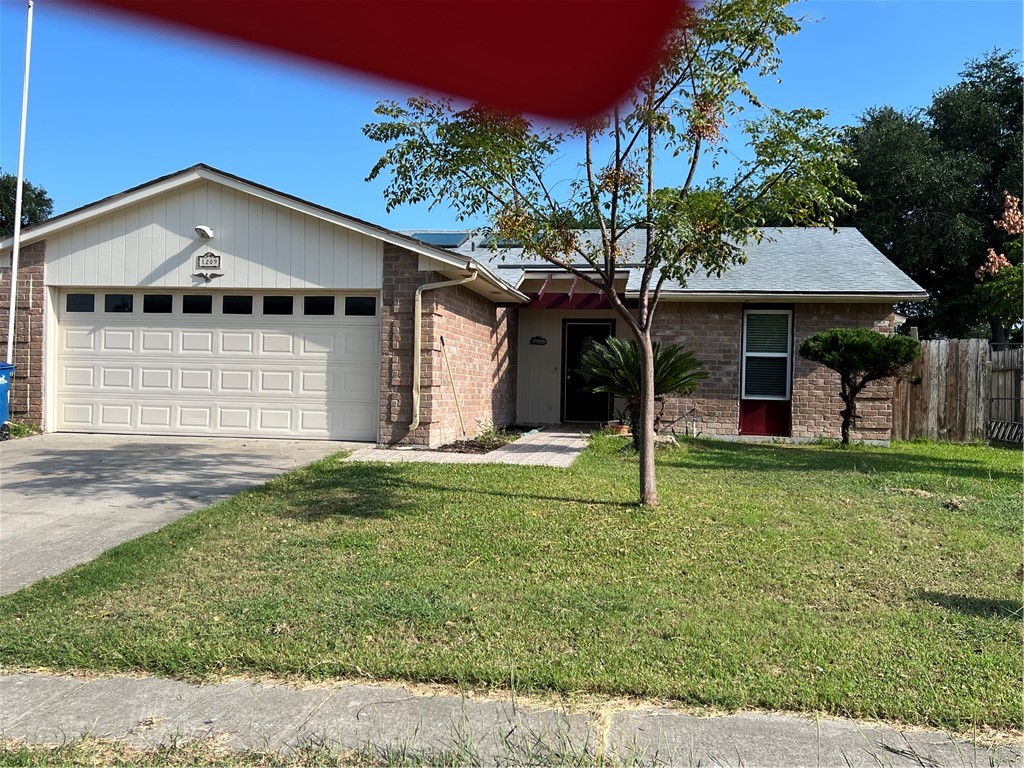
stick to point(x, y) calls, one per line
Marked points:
point(26, 404)
point(481, 343)
point(714, 332)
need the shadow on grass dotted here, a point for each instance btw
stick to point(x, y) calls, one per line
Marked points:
point(371, 490)
point(344, 490)
point(713, 454)
point(974, 606)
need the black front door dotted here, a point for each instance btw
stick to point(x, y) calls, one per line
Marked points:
point(577, 403)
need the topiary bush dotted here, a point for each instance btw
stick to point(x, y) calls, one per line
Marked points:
point(860, 356)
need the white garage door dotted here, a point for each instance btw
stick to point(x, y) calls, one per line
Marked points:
point(243, 364)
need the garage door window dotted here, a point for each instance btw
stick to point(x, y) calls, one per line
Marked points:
point(318, 305)
point(118, 302)
point(81, 302)
point(277, 305)
point(197, 305)
point(157, 303)
point(238, 305)
point(360, 306)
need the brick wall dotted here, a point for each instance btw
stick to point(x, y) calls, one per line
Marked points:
point(480, 339)
point(26, 404)
point(714, 331)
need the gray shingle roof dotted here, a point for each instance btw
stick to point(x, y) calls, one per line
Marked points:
point(788, 261)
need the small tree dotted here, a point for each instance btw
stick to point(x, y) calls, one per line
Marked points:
point(616, 366)
point(513, 174)
point(860, 356)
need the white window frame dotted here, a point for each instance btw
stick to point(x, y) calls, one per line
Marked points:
point(788, 354)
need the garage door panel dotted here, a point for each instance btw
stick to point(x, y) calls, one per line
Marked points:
point(276, 381)
point(117, 341)
point(115, 415)
point(79, 340)
point(155, 416)
point(317, 344)
point(157, 341)
point(79, 377)
point(314, 377)
point(196, 342)
point(276, 419)
point(276, 343)
point(156, 379)
point(80, 415)
point(195, 417)
point(235, 381)
point(235, 342)
point(116, 378)
point(196, 380)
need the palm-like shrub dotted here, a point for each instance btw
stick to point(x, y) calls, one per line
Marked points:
point(614, 366)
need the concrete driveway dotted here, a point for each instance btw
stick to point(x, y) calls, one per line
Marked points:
point(65, 498)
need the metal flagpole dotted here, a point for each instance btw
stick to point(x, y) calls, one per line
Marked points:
point(18, 195)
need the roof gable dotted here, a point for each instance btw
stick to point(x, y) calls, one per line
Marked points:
point(440, 259)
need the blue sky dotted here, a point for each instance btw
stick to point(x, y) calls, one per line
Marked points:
point(113, 104)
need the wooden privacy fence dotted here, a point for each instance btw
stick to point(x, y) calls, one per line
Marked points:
point(946, 396)
point(1006, 399)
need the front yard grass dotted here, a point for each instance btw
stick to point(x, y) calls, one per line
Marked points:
point(869, 582)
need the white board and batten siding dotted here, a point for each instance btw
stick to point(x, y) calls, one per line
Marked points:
point(299, 374)
point(261, 245)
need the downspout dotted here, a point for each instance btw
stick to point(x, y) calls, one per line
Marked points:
point(417, 333)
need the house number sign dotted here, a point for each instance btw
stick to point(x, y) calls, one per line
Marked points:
point(208, 261)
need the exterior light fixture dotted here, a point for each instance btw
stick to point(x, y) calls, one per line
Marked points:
point(204, 231)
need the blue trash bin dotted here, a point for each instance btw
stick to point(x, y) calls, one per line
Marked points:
point(6, 375)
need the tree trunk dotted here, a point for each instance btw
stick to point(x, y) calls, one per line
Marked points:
point(999, 335)
point(847, 414)
point(648, 486)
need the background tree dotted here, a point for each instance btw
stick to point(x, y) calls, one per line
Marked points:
point(860, 356)
point(36, 205)
point(615, 366)
point(500, 167)
point(932, 184)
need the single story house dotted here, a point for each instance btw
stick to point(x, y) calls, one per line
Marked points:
point(201, 303)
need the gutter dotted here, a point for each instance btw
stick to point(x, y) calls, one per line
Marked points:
point(786, 296)
point(417, 333)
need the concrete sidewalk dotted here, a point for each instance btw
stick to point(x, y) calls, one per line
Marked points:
point(147, 712)
point(549, 447)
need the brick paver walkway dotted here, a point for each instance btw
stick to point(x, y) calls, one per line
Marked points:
point(552, 447)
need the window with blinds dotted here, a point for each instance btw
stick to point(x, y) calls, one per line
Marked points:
point(767, 352)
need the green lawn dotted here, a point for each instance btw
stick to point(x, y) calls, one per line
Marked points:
point(870, 582)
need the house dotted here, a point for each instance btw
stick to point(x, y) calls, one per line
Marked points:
point(201, 303)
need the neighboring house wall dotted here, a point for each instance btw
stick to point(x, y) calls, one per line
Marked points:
point(481, 347)
point(26, 403)
point(713, 332)
point(261, 244)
